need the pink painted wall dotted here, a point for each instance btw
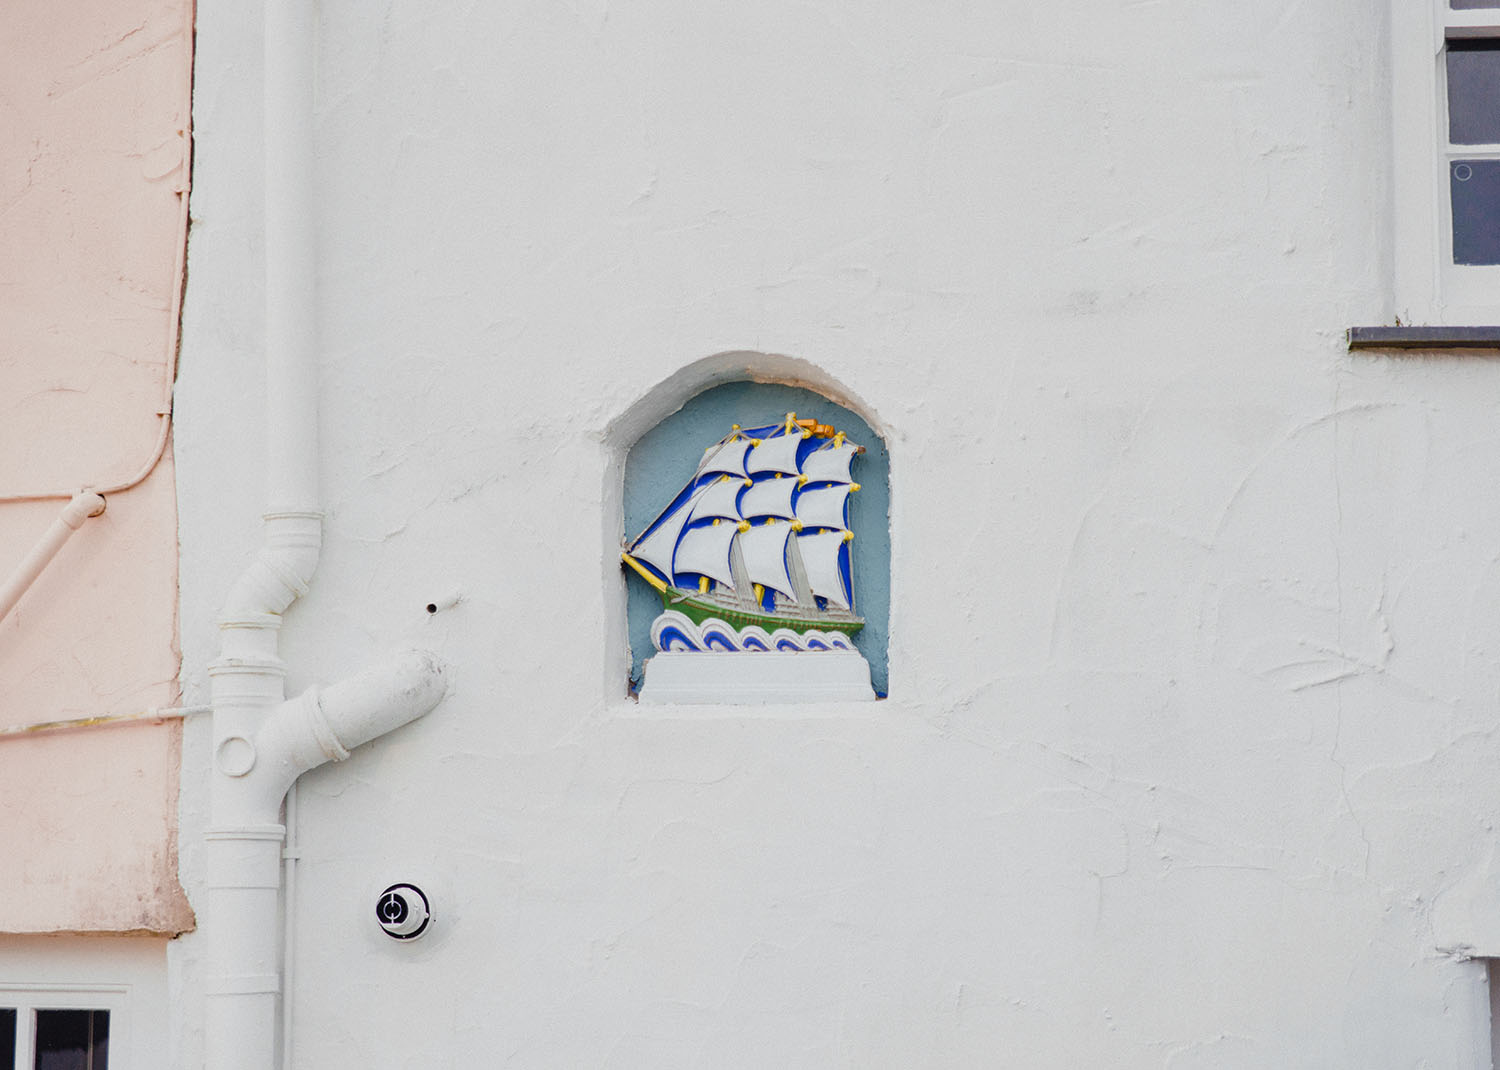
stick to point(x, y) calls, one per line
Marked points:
point(94, 110)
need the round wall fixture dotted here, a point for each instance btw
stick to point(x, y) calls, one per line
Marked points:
point(403, 911)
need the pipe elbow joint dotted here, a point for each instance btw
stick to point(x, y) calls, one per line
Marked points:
point(83, 505)
point(273, 581)
point(282, 569)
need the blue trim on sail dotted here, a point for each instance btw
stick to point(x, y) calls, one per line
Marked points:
point(683, 495)
point(846, 571)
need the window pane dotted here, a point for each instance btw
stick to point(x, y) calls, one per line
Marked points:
point(7, 1037)
point(72, 1040)
point(1474, 91)
point(1472, 5)
point(1476, 211)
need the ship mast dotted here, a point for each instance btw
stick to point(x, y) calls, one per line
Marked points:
point(798, 571)
point(744, 589)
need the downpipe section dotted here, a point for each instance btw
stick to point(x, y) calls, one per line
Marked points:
point(261, 742)
point(253, 772)
point(248, 674)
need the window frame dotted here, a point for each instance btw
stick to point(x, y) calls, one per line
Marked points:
point(26, 1000)
point(1429, 286)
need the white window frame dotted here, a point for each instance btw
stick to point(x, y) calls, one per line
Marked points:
point(1429, 287)
point(28, 999)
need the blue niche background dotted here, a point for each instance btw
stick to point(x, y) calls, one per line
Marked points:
point(665, 458)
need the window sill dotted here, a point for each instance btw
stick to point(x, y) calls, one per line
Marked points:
point(1424, 338)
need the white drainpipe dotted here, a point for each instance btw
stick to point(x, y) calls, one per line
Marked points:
point(252, 775)
point(263, 743)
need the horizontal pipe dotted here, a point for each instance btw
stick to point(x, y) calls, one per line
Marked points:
point(158, 713)
point(83, 505)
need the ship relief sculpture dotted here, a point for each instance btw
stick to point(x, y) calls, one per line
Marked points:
point(752, 558)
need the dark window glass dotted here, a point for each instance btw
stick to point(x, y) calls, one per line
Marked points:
point(1472, 5)
point(1474, 90)
point(1476, 211)
point(72, 1040)
point(7, 1037)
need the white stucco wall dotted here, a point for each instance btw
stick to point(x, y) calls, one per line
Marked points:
point(1189, 759)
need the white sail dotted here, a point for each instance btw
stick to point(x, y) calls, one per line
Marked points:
point(705, 551)
point(831, 462)
point(823, 507)
point(657, 548)
point(718, 499)
point(769, 497)
point(706, 535)
point(728, 457)
point(764, 548)
point(777, 454)
point(820, 557)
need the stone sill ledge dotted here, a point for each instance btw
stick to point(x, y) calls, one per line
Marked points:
point(1424, 338)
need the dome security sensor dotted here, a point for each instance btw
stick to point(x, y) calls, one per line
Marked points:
point(403, 911)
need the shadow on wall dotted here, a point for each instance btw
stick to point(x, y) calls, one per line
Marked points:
point(665, 457)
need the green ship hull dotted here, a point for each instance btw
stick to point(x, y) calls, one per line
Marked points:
point(698, 608)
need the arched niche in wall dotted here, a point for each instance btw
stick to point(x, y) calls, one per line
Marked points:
point(659, 443)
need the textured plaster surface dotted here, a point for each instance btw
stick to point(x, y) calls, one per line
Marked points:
point(94, 109)
point(1190, 756)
